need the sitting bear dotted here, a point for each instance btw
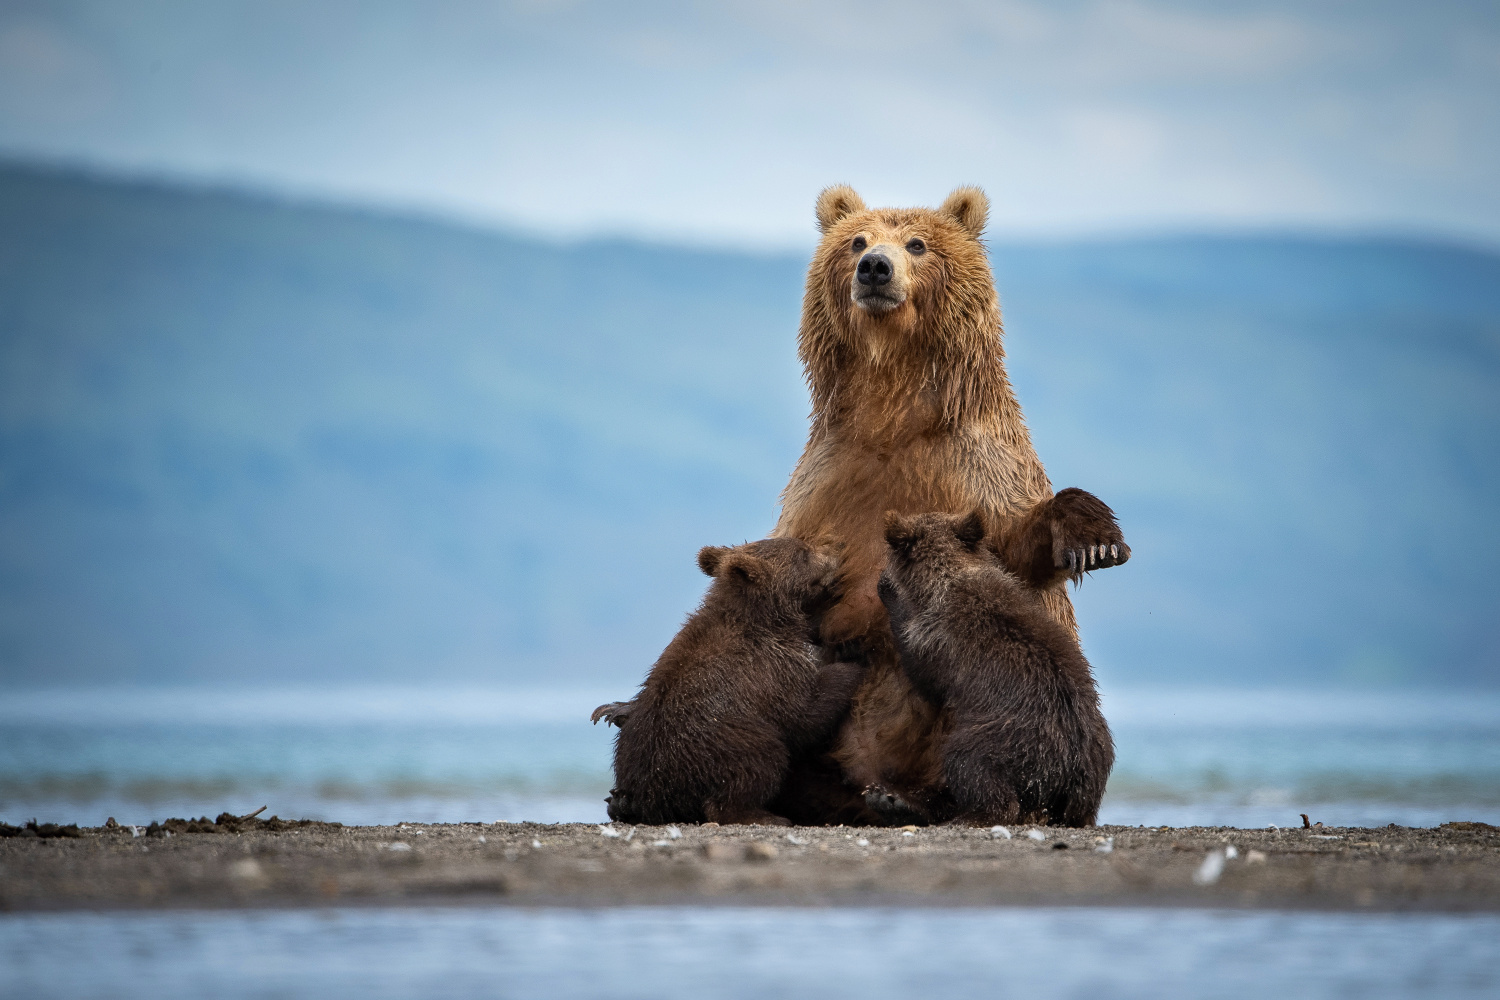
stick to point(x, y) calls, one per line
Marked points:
point(737, 693)
point(1027, 741)
point(913, 411)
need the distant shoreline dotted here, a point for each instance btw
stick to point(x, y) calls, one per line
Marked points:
point(1455, 867)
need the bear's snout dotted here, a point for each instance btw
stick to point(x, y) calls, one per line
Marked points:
point(874, 270)
point(881, 279)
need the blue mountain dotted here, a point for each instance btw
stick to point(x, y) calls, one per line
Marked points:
point(247, 439)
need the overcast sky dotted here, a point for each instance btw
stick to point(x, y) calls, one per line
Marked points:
point(718, 123)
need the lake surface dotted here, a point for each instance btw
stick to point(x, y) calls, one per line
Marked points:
point(382, 755)
point(736, 952)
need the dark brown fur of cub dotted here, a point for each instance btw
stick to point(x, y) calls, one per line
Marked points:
point(1028, 743)
point(736, 694)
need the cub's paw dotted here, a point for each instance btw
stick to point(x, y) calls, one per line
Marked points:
point(614, 714)
point(891, 807)
point(1085, 534)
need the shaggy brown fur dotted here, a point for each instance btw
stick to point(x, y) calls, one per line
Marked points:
point(1028, 743)
point(913, 412)
point(736, 694)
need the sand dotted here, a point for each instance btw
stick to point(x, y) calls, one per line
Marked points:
point(1453, 867)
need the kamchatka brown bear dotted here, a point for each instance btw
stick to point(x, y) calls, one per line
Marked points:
point(1026, 740)
point(913, 413)
point(736, 695)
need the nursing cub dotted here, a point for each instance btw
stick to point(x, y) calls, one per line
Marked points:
point(1028, 743)
point(736, 695)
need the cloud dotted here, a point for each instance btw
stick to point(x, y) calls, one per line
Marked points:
point(719, 122)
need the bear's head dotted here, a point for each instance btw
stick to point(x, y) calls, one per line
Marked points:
point(927, 552)
point(887, 283)
point(779, 571)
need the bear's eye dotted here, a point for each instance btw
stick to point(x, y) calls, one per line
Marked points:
point(915, 247)
point(859, 244)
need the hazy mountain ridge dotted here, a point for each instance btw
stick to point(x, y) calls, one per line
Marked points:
point(246, 438)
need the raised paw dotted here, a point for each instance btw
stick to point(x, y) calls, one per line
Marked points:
point(614, 714)
point(1085, 534)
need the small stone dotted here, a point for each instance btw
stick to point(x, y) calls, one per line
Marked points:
point(1254, 857)
point(718, 850)
point(1035, 834)
point(245, 870)
point(999, 833)
point(760, 852)
point(674, 833)
point(1208, 873)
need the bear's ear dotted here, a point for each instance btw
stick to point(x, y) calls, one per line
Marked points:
point(709, 558)
point(744, 568)
point(836, 202)
point(970, 207)
point(898, 533)
point(970, 530)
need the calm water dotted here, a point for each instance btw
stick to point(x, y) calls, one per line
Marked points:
point(752, 953)
point(373, 755)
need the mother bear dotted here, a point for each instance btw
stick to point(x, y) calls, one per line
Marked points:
point(912, 412)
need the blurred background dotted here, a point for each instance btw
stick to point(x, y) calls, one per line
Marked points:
point(371, 373)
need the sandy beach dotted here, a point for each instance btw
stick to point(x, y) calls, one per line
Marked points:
point(251, 863)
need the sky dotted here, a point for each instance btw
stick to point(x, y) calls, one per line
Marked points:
point(718, 123)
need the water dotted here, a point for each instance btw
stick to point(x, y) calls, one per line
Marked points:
point(382, 755)
point(752, 953)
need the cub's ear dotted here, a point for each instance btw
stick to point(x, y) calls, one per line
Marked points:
point(970, 530)
point(745, 568)
point(836, 202)
point(898, 533)
point(970, 207)
point(709, 558)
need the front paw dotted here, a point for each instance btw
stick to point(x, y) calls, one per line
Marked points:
point(891, 807)
point(614, 714)
point(1085, 534)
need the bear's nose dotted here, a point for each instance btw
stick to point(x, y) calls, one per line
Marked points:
point(874, 269)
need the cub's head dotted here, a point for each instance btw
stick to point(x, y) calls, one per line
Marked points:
point(784, 571)
point(927, 552)
point(883, 276)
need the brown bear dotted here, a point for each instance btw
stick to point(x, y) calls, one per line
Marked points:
point(913, 413)
point(1027, 741)
point(737, 694)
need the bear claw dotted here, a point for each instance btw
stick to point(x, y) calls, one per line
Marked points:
point(614, 714)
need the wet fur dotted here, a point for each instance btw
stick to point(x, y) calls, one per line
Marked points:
point(1027, 743)
point(737, 695)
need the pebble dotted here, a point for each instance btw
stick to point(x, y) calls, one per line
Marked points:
point(1213, 866)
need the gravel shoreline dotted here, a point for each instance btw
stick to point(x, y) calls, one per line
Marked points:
point(250, 863)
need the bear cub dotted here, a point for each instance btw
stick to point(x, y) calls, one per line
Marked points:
point(1028, 743)
point(737, 694)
